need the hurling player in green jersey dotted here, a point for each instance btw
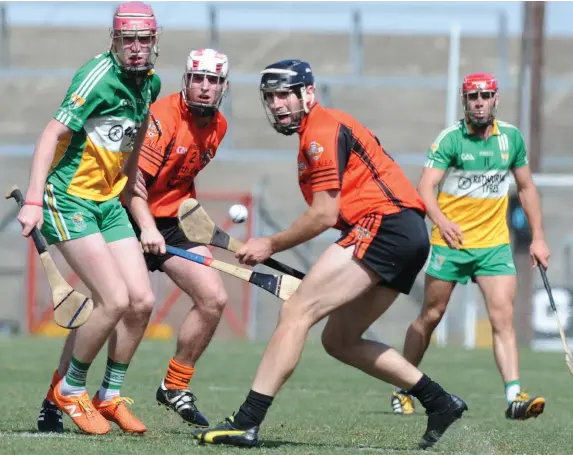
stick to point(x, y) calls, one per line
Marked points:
point(472, 162)
point(82, 162)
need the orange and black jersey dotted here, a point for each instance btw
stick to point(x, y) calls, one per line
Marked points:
point(174, 151)
point(338, 152)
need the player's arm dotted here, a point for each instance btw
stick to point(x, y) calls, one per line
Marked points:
point(151, 239)
point(429, 181)
point(31, 214)
point(320, 216)
point(323, 210)
point(323, 148)
point(440, 156)
point(70, 117)
point(44, 152)
point(529, 198)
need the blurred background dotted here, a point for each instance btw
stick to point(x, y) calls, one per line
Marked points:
point(395, 66)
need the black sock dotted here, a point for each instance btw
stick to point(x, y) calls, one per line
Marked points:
point(430, 394)
point(253, 411)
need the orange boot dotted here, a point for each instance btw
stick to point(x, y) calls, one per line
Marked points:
point(82, 411)
point(115, 410)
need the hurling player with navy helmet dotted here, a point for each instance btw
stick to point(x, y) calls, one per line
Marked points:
point(350, 184)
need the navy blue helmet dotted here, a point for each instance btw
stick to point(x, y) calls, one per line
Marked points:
point(278, 81)
point(287, 74)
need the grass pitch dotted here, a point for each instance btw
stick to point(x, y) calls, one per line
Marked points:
point(326, 408)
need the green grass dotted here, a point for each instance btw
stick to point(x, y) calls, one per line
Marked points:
point(326, 408)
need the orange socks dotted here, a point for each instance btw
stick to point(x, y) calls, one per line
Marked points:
point(55, 379)
point(178, 375)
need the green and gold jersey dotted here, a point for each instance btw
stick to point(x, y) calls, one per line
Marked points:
point(474, 191)
point(104, 108)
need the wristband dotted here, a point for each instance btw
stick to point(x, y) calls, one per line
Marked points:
point(37, 204)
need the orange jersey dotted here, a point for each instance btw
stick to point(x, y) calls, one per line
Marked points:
point(336, 152)
point(173, 153)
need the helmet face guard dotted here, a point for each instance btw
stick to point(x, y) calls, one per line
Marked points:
point(284, 94)
point(480, 99)
point(135, 37)
point(205, 81)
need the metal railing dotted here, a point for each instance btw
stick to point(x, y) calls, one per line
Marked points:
point(356, 31)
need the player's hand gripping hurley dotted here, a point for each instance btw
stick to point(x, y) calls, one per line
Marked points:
point(568, 356)
point(71, 308)
point(200, 228)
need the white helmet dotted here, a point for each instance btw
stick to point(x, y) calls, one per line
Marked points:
point(205, 81)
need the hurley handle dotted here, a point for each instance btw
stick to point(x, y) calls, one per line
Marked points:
point(15, 193)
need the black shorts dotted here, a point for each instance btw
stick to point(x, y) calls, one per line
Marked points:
point(394, 246)
point(173, 235)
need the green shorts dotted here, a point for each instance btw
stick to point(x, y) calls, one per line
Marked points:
point(460, 265)
point(69, 217)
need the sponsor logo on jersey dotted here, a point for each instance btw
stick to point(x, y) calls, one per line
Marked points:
point(467, 157)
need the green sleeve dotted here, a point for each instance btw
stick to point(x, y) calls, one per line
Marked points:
point(520, 151)
point(155, 87)
point(82, 98)
point(441, 153)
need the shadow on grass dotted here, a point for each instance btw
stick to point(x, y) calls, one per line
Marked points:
point(271, 444)
point(276, 444)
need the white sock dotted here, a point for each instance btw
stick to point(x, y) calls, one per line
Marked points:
point(68, 390)
point(107, 394)
point(512, 389)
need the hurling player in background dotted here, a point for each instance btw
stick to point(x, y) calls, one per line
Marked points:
point(471, 162)
point(184, 133)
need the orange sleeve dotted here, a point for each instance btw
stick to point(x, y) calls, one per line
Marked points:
point(321, 150)
point(220, 131)
point(158, 137)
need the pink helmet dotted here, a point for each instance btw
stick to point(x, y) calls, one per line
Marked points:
point(134, 36)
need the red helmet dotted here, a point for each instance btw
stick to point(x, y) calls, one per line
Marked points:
point(484, 86)
point(134, 36)
point(479, 82)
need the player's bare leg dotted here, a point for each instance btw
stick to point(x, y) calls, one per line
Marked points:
point(67, 351)
point(123, 341)
point(94, 263)
point(437, 294)
point(325, 291)
point(127, 335)
point(50, 419)
point(499, 294)
point(205, 287)
point(342, 339)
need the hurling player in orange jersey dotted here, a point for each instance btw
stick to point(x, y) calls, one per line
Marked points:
point(185, 131)
point(350, 184)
